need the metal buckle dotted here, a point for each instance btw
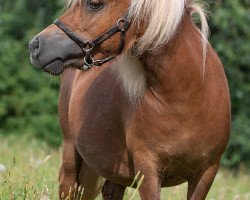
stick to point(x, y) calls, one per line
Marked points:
point(121, 24)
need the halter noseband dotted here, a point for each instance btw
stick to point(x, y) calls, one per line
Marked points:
point(87, 46)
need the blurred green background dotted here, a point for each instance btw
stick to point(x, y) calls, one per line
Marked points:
point(28, 98)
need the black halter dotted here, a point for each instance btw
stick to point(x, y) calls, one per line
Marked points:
point(87, 46)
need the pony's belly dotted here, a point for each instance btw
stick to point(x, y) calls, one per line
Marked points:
point(172, 181)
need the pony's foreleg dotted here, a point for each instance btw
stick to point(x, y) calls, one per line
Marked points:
point(199, 186)
point(76, 177)
point(69, 171)
point(113, 191)
point(151, 184)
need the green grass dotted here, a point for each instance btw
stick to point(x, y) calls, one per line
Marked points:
point(32, 173)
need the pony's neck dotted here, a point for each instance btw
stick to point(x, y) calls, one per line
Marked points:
point(177, 66)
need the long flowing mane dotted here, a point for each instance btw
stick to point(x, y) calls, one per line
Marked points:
point(163, 19)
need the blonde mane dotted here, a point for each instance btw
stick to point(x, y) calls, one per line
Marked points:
point(163, 19)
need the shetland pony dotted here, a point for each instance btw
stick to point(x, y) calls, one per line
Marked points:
point(161, 106)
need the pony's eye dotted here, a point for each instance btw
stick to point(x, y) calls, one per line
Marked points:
point(95, 5)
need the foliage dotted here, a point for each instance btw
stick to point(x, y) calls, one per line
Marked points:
point(28, 103)
point(28, 98)
point(231, 38)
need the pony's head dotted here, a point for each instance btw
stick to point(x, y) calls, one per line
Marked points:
point(52, 50)
point(152, 24)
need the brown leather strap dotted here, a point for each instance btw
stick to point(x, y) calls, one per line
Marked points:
point(87, 46)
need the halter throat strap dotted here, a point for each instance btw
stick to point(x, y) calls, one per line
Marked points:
point(87, 46)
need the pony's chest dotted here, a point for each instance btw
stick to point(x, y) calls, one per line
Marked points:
point(96, 121)
point(100, 139)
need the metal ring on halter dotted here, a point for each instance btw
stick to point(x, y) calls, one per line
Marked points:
point(120, 23)
point(88, 63)
point(89, 45)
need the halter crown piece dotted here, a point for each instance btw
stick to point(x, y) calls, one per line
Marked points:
point(122, 25)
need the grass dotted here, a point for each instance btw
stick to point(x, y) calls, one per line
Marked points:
point(31, 171)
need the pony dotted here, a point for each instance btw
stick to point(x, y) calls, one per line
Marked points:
point(157, 104)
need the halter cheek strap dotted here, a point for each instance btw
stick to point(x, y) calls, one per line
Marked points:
point(87, 46)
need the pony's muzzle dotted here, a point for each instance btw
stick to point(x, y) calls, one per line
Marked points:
point(53, 51)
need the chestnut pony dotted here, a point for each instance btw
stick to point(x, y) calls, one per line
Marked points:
point(159, 105)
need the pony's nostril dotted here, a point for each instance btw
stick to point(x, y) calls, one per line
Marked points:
point(34, 46)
